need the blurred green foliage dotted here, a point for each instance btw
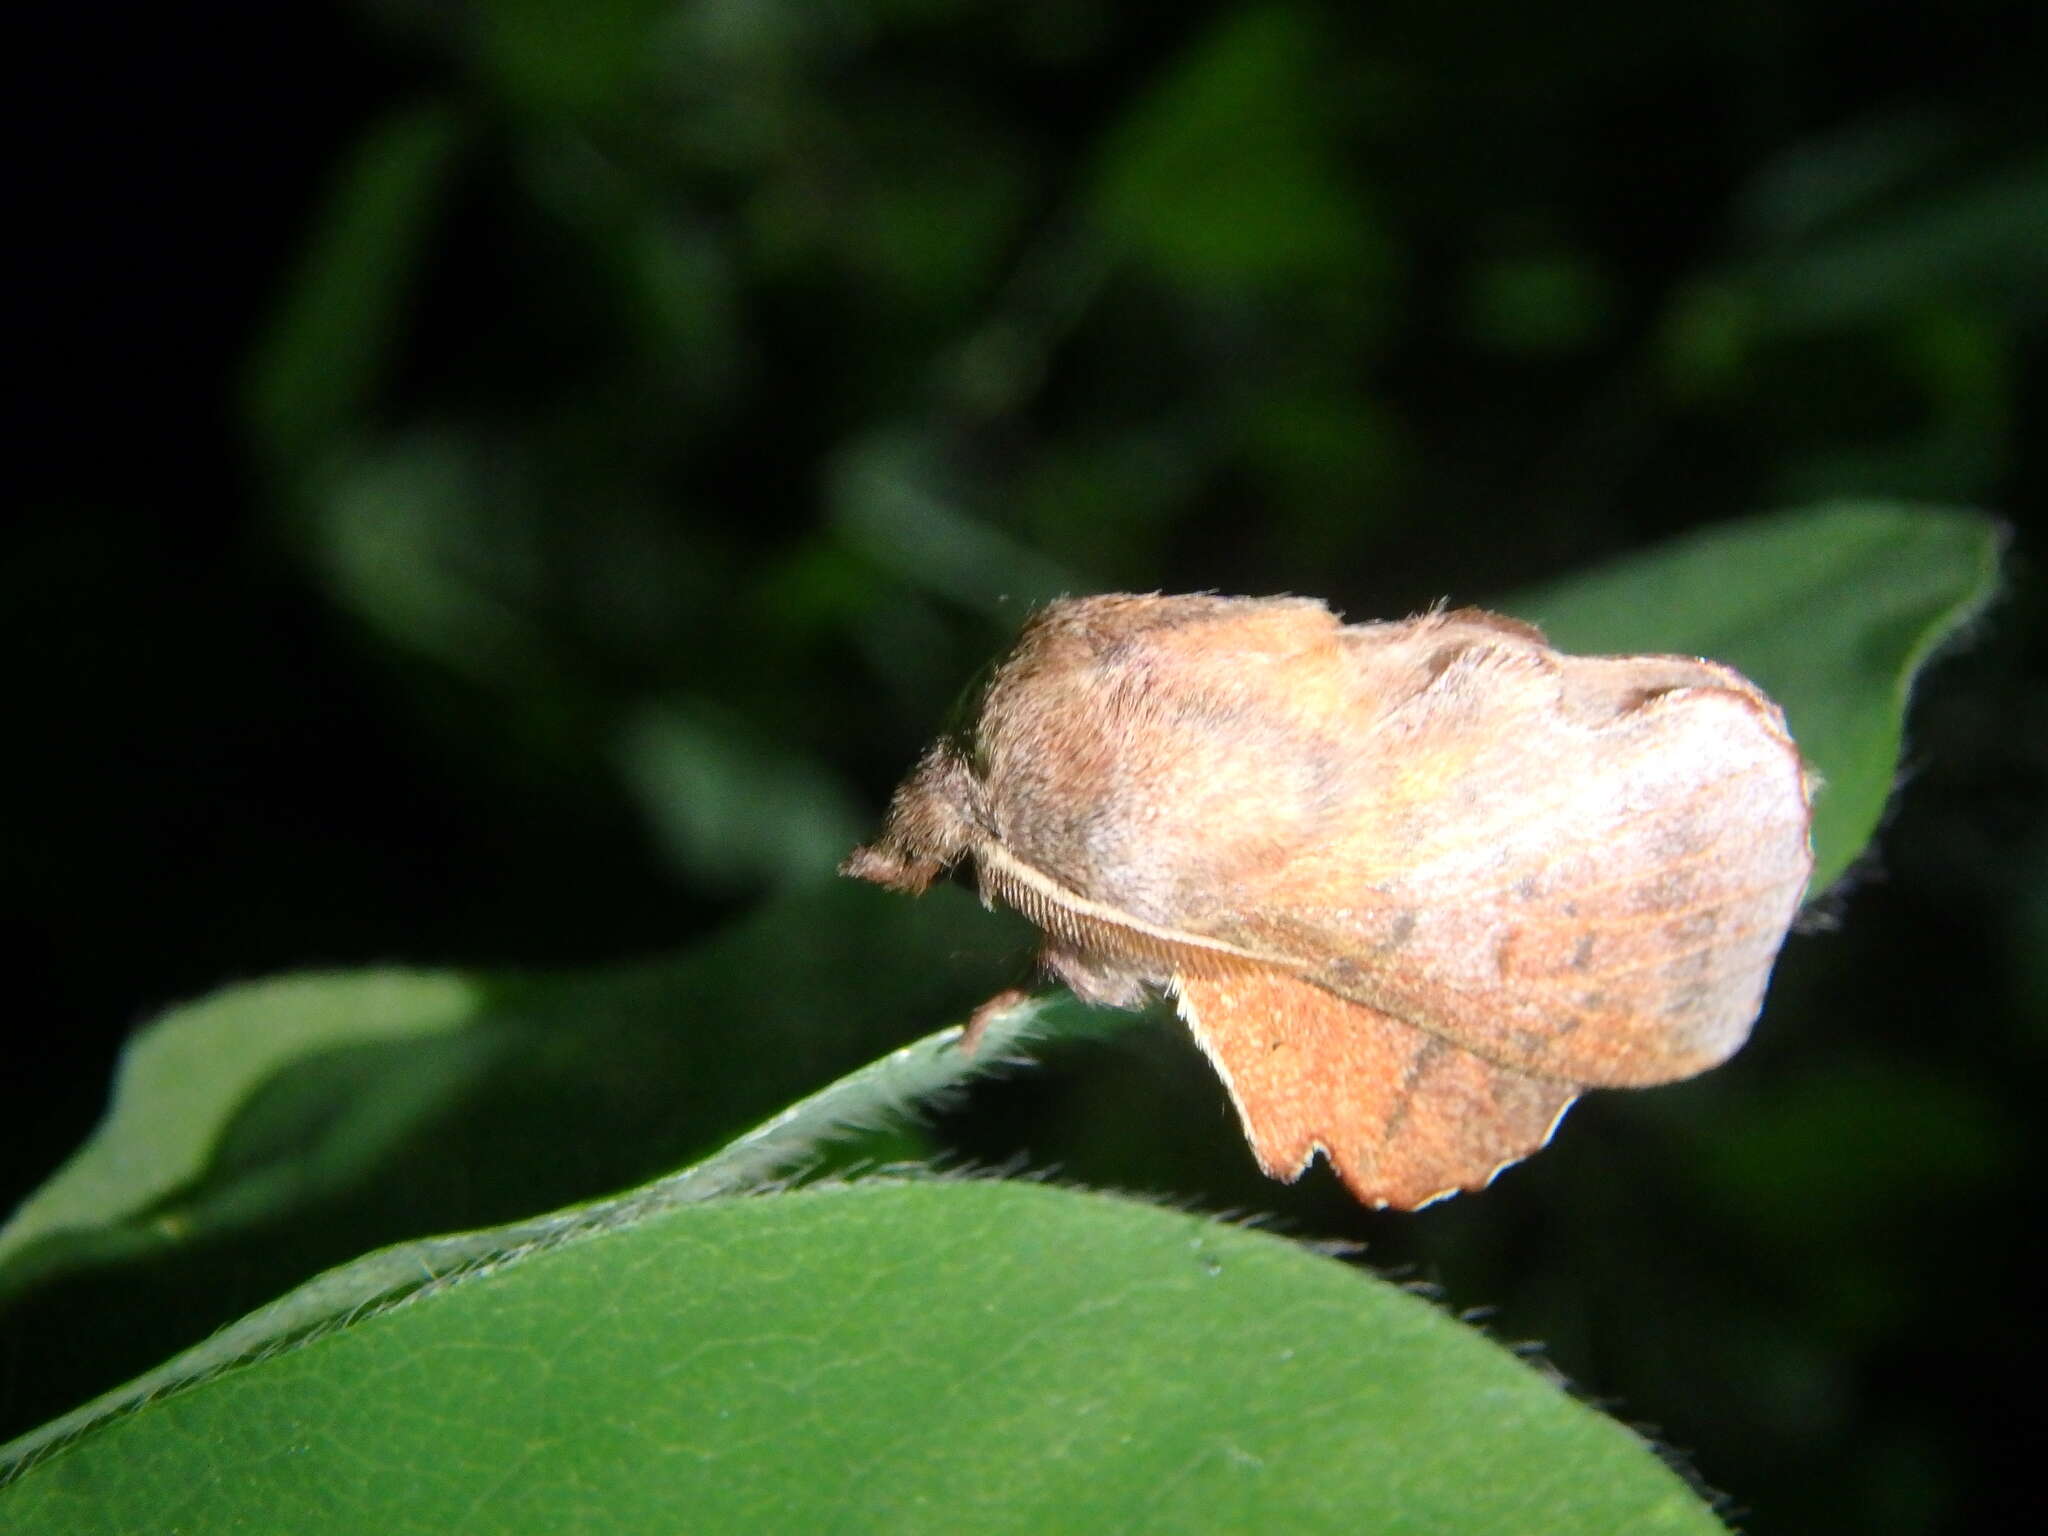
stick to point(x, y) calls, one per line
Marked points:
point(669, 406)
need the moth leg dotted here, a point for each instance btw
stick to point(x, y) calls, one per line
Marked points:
point(1093, 977)
point(1405, 1117)
point(985, 1015)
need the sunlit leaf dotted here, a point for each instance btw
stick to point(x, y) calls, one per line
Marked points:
point(885, 1357)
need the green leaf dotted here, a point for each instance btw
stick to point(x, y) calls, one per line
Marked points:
point(1976, 234)
point(574, 60)
point(181, 1083)
point(881, 1096)
point(1832, 610)
point(332, 342)
point(1226, 175)
point(260, 1136)
point(882, 1356)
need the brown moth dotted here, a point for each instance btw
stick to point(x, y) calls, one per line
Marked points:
point(1414, 885)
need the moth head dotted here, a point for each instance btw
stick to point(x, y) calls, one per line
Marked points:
point(931, 825)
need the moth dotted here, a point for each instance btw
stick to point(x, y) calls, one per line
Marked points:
point(1412, 885)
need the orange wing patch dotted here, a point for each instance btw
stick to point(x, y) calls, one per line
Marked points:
point(1404, 1117)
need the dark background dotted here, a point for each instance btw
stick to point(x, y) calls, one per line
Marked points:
point(513, 484)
